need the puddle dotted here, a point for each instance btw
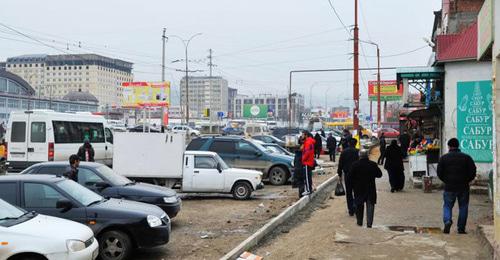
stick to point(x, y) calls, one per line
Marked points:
point(413, 230)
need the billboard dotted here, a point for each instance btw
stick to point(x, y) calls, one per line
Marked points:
point(255, 111)
point(388, 90)
point(475, 119)
point(146, 94)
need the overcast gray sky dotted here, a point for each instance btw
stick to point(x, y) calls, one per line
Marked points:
point(255, 43)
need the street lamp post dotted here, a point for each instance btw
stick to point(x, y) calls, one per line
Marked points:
point(378, 81)
point(186, 45)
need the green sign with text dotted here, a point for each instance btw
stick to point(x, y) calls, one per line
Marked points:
point(254, 111)
point(475, 119)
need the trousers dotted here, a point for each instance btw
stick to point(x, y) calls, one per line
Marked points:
point(349, 194)
point(370, 212)
point(449, 199)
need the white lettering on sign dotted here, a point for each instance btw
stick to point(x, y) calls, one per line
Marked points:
point(476, 144)
point(478, 130)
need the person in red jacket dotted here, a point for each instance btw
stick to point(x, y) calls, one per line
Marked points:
point(308, 161)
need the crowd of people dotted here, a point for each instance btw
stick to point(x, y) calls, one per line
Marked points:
point(358, 173)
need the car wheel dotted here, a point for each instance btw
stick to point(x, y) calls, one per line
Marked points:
point(193, 134)
point(242, 191)
point(278, 175)
point(114, 245)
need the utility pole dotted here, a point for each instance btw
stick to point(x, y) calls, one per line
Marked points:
point(164, 39)
point(356, 68)
point(210, 66)
point(378, 88)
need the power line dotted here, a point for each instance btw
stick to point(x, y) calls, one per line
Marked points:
point(399, 54)
point(338, 17)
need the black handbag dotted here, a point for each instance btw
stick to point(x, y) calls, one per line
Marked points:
point(339, 190)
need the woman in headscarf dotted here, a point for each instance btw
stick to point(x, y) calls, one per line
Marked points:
point(394, 166)
point(318, 145)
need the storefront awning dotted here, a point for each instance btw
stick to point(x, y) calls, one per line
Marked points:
point(425, 113)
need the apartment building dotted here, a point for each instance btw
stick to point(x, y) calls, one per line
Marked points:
point(54, 76)
point(205, 92)
point(278, 105)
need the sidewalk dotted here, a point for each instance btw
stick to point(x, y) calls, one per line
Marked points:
point(329, 233)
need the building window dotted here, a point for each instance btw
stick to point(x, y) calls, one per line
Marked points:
point(3, 102)
point(13, 103)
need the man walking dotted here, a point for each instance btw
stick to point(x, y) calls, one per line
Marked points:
point(382, 146)
point(308, 161)
point(362, 175)
point(405, 140)
point(347, 158)
point(86, 151)
point(72, 172)
point(331, 145)
point(456, 170)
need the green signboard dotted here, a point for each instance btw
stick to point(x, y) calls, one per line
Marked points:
point(385, 98)
point(475, 119)
point(254, 111)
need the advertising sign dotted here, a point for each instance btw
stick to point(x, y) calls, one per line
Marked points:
point(475, 119)
point(146, 94)
point(388, 90)
point(254, 111)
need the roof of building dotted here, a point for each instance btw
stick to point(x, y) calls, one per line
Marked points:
point(18, 80)
point(457, 47)
point(27, 58)
point(79, 96)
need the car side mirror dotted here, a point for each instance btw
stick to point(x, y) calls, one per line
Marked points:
point(258, 154)
point(64, 204)
point(101, 185)
point(219, 168)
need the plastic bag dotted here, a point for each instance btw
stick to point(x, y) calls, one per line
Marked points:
point(339, 190)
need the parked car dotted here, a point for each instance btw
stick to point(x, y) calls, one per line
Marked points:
point(388, 133)
point(234, 127)
point(189, 131)
point(274, 148)
point(102, 180)
point(269, 139)
point(280, 132)
point(119, 225)
point(141, 128)
point(252, 129)
point(244, 153)
point(29, 235)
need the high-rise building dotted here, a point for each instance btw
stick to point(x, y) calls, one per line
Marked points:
point(232, 94)
point(54, 76)
point(205, 92)
point(278, 105)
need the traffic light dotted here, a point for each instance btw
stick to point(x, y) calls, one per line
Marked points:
point(206, 112)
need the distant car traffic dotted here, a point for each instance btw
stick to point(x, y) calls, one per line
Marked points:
point(388, 133)
point(102, 180)
point(244, 153)
point(29, 235)
point(234, 127)
point(269, 139)
point(119, 225)
point(141, 128)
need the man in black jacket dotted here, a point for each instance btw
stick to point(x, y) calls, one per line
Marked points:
point(347, 158)
point(456, 170)
point(382, 146)
point(362, 175)
point(331, 145)
point(72, 172)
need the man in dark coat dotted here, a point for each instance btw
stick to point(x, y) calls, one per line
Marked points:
point(405, 140)
point(318, 145)
point(363, 174)
point(298, 171)
point(346, 137)
point(347, 158)
point(72, 171)
point(323, 133)
point(456, 170)
point(382, 146)
point(331, 145)
point(86, 151)
point(394, 166)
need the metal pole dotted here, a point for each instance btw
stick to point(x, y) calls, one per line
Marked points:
point(378, 88)
point(163, 38)
point(187, 88)
point(210, 85)
point(290, 104)
point(356, 67)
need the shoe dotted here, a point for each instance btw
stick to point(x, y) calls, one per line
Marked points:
point(447, 227)
point(392, 190)
point(462, 232)
point(351, 214)
point(305, 193)
point(369, 226)
point(360, 224)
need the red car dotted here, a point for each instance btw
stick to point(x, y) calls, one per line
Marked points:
point(388, 133)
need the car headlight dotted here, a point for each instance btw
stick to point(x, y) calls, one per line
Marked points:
point(293, 163)
point(171, 199)
point(75, 245)
point(154, 221)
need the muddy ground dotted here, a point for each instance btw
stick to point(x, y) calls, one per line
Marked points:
point(209, 226)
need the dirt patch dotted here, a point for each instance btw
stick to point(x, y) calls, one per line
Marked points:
point(209, 226)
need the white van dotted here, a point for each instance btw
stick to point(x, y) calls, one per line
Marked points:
point(252, 129)
point(35, 136)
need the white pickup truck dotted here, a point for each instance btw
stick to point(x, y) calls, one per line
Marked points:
point(160, 158)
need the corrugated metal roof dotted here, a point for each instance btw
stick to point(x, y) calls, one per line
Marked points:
point(457, 47)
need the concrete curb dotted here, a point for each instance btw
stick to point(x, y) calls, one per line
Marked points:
point(254, 239)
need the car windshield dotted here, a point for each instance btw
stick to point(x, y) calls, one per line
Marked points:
point(259, 146)
point(223, 164)
point(274, 149)
point(79, 193)
point(115, 179)
point(8, 211)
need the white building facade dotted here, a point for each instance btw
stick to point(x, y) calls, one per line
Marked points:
point(205, 93)
point(278, 105)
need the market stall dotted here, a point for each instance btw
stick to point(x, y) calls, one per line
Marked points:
point(424, 127)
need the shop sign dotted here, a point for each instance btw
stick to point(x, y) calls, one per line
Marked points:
point(255, 111)
point(146, 94)
point(389, 90)
point(475, 119)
